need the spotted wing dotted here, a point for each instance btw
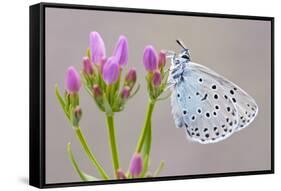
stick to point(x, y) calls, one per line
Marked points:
point(244, 103)
point(204, 103)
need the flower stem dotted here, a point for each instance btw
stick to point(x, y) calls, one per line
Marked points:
point(146, 127)
point(83, 176)
point(112, 141)
point(87, 150)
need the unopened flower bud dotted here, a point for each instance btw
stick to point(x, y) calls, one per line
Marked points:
point(149, 175)
point(97, 91)
point(136, 165)
point(97, 47)
point(121, 51)
point(150, 59)
point(162, 59)
point(156, 79)
point(87, 66)
point(131, 77)
point(72, 80)
point(125, 93)
point(110, 71)
point(121, 174)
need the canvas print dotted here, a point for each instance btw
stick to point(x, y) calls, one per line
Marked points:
point(135, 96)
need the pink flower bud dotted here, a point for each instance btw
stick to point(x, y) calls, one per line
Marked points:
point(150, 59)
point(72, 80)
point(87, 66)
point(125, 93)
point(162, 59)
point(121, 51)
point(131, 75)
point(97, 91)
point(97, 47)
point(136, 165)
point(121, 174)
point(110, 71)
point(156, 78)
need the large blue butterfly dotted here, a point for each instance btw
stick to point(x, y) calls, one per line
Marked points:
point(207, 105)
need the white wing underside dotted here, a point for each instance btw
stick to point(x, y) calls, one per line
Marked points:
point(209, 106)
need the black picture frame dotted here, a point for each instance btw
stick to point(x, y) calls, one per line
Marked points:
point(37, 94)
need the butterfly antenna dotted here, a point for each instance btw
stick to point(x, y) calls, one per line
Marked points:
point(181, 44)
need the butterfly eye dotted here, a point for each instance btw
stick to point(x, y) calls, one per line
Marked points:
point(184, 56)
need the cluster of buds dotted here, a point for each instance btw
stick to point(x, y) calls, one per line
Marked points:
point(102, 78)
point(102, 75)
point(156, 77)
point(70, 101)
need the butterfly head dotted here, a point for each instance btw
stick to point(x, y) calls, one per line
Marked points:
point(178, 62)
point(184, 54)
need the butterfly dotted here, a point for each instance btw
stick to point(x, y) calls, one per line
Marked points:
point(209, 107)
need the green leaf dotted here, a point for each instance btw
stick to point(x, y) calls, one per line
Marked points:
point(164, 97)
point(61, 101)
point(83, 175)
point(84, 80)
point(159, 169)
point(88, 152)
point(88, 90)
point(136, 91)
point(164, 81)
point(98, 102)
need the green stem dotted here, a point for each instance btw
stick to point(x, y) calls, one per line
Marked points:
point(108, 93)
point(113, 144)
point(83, 176)
point(87, 150)
point(145, 129)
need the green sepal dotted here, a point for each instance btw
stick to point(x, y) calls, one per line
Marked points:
point(164, 81)
point(107, 106)
point(149, 87)
point(164, 97)
point(88, 52)
point(71, 116)
point(135, 91)
point(74, 100)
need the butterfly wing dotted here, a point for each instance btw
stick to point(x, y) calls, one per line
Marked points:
point(203, 102)
point(246, 106)
point(178, 118)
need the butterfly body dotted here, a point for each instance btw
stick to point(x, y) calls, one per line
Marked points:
point(207, 105)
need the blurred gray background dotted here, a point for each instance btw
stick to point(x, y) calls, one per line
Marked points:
point(237, 49)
